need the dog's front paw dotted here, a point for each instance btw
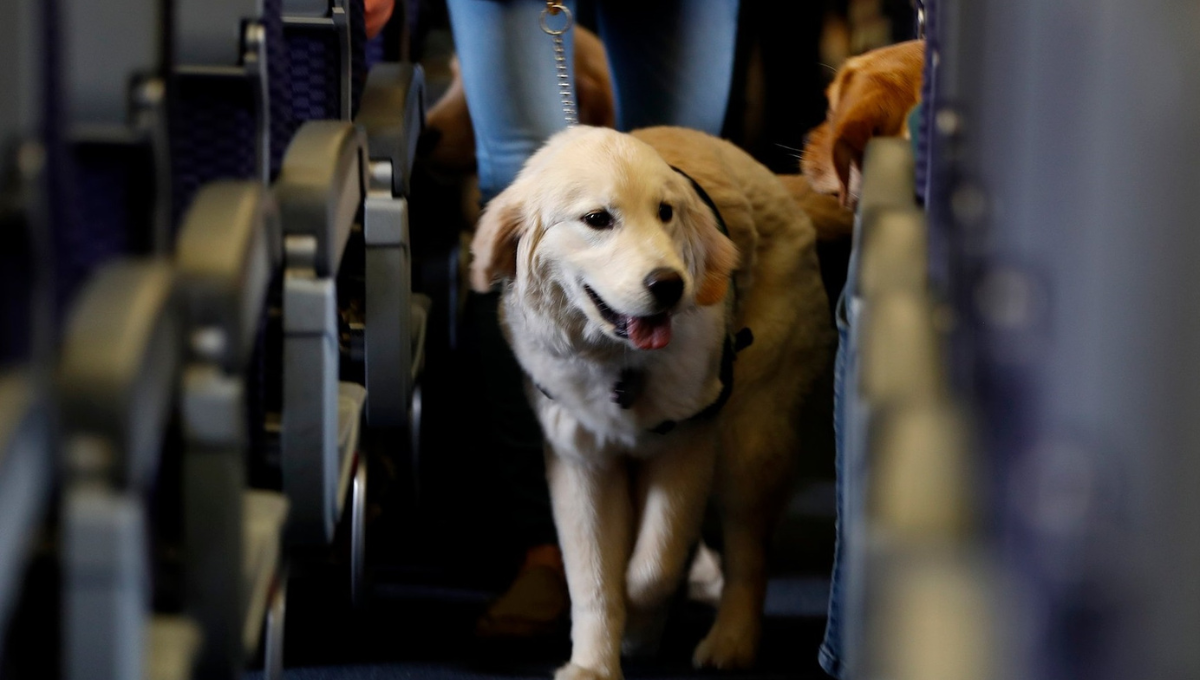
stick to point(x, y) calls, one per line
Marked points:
point(726, 649)
point(576, 672)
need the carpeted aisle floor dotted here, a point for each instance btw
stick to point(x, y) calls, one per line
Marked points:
point(425, 633)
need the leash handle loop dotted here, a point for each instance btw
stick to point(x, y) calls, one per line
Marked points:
point(565, 91)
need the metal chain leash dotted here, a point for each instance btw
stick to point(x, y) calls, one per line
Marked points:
point(554, 8)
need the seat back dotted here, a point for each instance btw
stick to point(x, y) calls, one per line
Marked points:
point(115, 98)
point(326, 42)
point(1072, 198)
point(232, 113)
point(122, 341)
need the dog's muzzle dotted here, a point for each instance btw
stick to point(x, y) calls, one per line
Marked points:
point(645, 332)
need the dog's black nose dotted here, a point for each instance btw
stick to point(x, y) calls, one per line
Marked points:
point(666, 285)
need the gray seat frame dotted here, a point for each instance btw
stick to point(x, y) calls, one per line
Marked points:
point(391, 114)
point(320, 191)
point(229, 247)
point(116, 381)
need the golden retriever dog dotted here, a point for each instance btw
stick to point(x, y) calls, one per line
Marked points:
point(871, 96)
point(671, 346)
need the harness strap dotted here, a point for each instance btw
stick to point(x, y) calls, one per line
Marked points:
point(707, 201)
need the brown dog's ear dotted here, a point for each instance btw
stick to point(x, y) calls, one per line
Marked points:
point(871, 97)
point(716, 255)
point(720, 259)
point(494, 247)
point(849, 145)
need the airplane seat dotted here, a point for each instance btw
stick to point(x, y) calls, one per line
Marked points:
point(235, 572)
point(120, 345)
point(352, 328)
point(230, 124)
point(231, 111)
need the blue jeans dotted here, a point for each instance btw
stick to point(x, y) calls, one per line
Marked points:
point(849, 422)
point(671, 64)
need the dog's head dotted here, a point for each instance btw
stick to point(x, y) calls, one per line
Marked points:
point(870, 96)
point(600, 234)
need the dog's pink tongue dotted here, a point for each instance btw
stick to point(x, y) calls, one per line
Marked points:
point(650, 332)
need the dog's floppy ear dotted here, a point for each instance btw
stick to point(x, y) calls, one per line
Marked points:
point(719, 257)
point(871, 97)
point(494, 247)
point(849, 145)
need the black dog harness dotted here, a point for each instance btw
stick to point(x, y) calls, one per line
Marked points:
point(633, 381)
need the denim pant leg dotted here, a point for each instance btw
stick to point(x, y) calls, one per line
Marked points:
point(830, 654)
point(854, 490)
point(671, 60)
point(843, 628)
point(672, 64)
point(511, 82)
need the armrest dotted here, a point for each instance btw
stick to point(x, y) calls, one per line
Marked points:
point(392, 113)
point(120, 360)
point(228, 248)
point(321, 187)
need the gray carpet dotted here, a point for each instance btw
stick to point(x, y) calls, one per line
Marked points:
point(424, 632)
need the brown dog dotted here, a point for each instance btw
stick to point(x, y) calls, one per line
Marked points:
point(830, 218)
point(870, 96)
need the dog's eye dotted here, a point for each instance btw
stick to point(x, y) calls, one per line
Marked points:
point(665, 211)
point(600, 219)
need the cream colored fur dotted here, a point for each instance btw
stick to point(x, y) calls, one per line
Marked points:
point(628, 502)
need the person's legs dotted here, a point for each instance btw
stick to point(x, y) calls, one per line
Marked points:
point(830, 653)
point(536, 603)
point(849, 425)
point(511, 82)
point(671, 60)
